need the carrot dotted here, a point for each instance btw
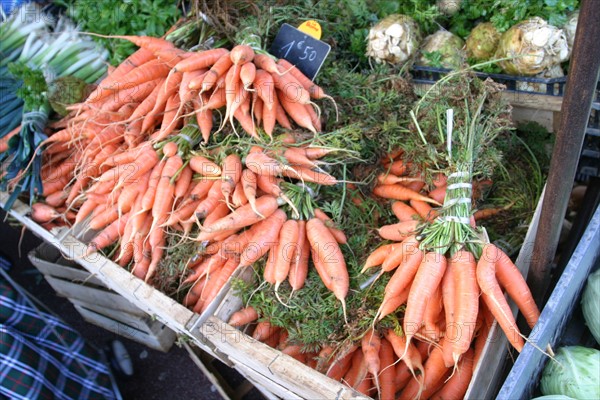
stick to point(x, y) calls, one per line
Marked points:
point(511, 279)
point(432, 316)
point(339, 235)
point(377, 256)
point(243, 116)
point(399, 167)
point(264, 240)
point(249, 182)
point(168, 89)
point(184, 180)
point(209, 203)
point(242, 217)
point(247, 74)
point(297, 156)
point(457, 385)
point(424, 210)
point(398, 232)
point(493, 297)
point(449, 300)
point(434, 373)
point(387, 387)
point(218, 69)
point(244, 316)
point(223, 276)
point(171, 119)
point(263, 330)
point(357, 371)
point(299, 264)
point(438, 194)
point(427, 279)
point(342, 363)
point(371, 346)
point(42, 213)
point(147, 72)
point(220, 211)
point(399, 192)
point(326, 249)
point(280, 115)
point(390, 179)
point(108, 235)
point(257, 107)
point(407, 352)
point(204, 119)
point(104, 218)
point(204, 166)
point(150, 193)
point(399, 253)
point(290, 88)
point(297, 112)
point(287, 246)
point(238, 198)
point(199, 60)
point(466, 305)
point(400, 281)
point(309, 175)
point(232, 172)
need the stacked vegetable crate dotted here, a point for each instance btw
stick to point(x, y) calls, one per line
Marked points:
point(96, 303)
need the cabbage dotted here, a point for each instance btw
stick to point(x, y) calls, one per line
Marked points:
point(394, 39)
point(482, 41)
point(553, 397)
point(590, 304)
point(533, 46)
point(574, 372)
point(442, 49)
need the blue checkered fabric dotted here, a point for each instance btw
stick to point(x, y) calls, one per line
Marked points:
point(42, 358)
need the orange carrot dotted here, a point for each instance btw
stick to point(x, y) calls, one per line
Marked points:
point(427, 279)
point(218, 69)
point(493, 297)
point(202, 59)
point(398, 232)
point(449, 300)
point(438, 194)
point(466, 305)
point(326, 249)
point(378, 256)
point(339, 235)
point(42, 213)
point(204, 166)
point(232, 172)
point(244, 316)
point(243, 216)
point(511, 279)
point(434, 374)
point(406, 351)
point(297, 112)
point(108, 235)
point(247, 74)
point(284, 252)
point(248, 181)
point(399, 192)
point(299, 264)
point(340, 365)
point(280, 115)
point(424, 210)
point(357, 371)
point(238, 198)
point(223, 276)
point(457, 385)
point(264, 240)
point(387, 387)
point(263, 330)
point(399, 253)
point(371, 346)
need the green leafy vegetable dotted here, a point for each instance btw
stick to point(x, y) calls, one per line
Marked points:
point(573, 372)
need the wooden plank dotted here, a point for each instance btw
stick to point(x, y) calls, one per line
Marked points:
point(75, 275)
point(141, 323)
point(266, 386)
point(524, 375)
point(209, 372)
point(274, 365)
point(517, 99)
point(486, 379)
point(162, 342)
point(100, 297)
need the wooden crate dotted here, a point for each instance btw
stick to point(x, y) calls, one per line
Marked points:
point(96, 303)
point(524, 376)
point(276, 374)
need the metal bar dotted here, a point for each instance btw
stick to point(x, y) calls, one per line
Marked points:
point(580, 88)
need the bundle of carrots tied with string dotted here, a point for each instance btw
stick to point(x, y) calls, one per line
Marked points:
point(447, 280)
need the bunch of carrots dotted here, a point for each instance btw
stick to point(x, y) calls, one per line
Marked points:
point(170, 85)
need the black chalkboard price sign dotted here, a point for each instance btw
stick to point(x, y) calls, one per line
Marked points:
point(302, 50)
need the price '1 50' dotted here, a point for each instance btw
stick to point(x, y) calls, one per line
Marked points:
point(307, 52)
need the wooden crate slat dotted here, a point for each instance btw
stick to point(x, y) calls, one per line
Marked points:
point(161, 342)
point(101, 297)
point(140, 323)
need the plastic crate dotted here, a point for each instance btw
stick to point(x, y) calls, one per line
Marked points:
point(517, 84)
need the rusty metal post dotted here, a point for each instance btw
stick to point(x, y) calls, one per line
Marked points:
point(575, 111)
